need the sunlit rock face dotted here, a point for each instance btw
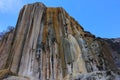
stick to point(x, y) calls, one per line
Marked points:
point(48, 44)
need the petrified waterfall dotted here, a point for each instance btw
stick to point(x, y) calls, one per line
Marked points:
point(48, 44)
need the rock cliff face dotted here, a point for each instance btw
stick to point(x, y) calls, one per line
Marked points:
point(114, 45)
point(48, 44)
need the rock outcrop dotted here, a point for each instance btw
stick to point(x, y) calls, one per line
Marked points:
point(114, 45)
point(48, 44)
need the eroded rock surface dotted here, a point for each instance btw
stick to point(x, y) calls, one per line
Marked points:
point(48, 44)
point(114, 45)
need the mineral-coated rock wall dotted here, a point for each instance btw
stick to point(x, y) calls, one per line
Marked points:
point(48, 44)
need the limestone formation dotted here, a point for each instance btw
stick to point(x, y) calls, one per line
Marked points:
point(48, 44)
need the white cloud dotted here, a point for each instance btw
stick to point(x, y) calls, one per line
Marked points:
point(10, 5)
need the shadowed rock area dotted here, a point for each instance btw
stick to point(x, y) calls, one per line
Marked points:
point(48, 44)
point(114, 45)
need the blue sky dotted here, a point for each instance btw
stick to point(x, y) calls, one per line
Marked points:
point(100, 17)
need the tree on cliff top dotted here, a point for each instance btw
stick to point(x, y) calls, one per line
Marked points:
point(3, 33)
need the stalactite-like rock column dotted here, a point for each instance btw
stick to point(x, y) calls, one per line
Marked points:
point(48, 44)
